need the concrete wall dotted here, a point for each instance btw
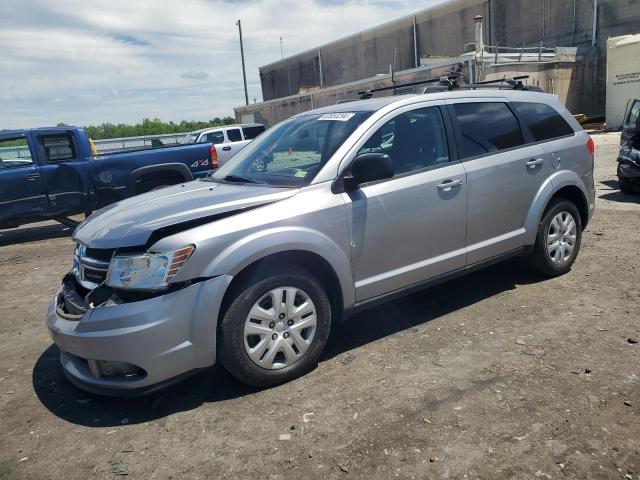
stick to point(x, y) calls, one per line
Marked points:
point(568, 80)
point(273, 111)
point(445, 29)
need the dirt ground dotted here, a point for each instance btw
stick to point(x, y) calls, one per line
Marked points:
point(500, 374)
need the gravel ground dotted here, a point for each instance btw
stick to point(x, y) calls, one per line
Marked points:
point(499, 374)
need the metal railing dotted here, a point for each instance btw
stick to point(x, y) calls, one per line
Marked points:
point(115, 144)
point(498, 54)
point(109, 145)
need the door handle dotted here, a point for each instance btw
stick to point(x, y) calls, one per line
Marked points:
point(32, 176)
point(533, 163)
point(447, 185)
point(226, 149)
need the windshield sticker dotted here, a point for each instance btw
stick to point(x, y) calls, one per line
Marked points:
point(301, 173)
point(340, 117)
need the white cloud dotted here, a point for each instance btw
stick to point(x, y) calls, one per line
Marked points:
point(195, 75)
point(87, 62)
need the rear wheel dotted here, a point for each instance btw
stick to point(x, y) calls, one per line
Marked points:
point(275, 328)
point(558, 239)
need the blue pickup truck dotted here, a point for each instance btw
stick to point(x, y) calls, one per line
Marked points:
point(54, 173)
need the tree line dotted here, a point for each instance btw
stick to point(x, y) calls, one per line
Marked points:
point(150, 127)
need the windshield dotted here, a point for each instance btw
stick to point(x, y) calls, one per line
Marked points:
point(292, 152)
point(188, 138)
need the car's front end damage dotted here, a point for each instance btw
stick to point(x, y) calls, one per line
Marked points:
point(629, 165)
point(126, 319)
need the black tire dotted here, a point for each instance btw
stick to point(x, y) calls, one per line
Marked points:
point(625, 185)
point(231, 349)
point(539, 260)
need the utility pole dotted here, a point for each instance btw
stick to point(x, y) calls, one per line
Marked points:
point(281, 51)
point(244, 73)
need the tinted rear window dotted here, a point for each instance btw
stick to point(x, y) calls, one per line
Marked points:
point(486, 127)
point(252, 132)
point(234, 135)
point(58, 148)
point(543, 121)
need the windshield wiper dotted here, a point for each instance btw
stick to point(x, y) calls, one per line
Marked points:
point(238, 179)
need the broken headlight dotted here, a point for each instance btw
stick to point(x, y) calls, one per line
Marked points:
point(147, 271)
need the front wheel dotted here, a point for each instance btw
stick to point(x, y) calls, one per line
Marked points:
point(275, 328)
point(558, 239)
point(625, 184)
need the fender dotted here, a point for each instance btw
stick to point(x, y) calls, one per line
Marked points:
point(179, 168)
point(549, 188)
point(237, 256)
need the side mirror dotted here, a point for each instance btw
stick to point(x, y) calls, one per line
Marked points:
point(369, 167)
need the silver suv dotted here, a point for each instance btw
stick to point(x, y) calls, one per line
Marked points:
point(324, 214)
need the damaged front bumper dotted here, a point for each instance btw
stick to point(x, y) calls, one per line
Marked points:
point(139, 346)
point(629, 162)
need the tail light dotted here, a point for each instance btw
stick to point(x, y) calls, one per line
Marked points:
point(214, 157)
point(591, 147)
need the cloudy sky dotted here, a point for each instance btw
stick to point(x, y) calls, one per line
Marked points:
point(87, 62)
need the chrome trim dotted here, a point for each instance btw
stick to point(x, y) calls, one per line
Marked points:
point(82, 263)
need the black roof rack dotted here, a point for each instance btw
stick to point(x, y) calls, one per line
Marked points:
point(450, 82)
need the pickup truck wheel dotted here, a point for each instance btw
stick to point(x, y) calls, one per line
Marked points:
point(275, 328)
point(558, 239)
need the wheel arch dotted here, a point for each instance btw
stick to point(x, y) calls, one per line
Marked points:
point(176, 169)
point(312, 262)
point(565, 184)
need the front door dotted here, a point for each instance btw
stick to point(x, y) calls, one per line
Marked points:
point(22, 192)
point(411, 227)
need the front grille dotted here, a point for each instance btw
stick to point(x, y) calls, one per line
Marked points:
point(93, 275)
point(100, 254)
point(91, 265)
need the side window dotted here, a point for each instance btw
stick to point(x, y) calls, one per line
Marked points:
point(486, 127)
point(543, 121)
point(252, 132)
point(234, 135)
point(415, 140)
point(58, 148)
point(634, 113)
point(214, 137)
point(14, 153)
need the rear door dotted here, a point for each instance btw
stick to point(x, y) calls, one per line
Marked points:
point(235, 143)
point(66, 175)
point(503, 175)
point(22, 192)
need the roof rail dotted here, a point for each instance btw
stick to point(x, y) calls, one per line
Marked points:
point(450, 82)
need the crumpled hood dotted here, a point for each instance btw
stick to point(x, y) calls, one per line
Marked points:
point(131, 222)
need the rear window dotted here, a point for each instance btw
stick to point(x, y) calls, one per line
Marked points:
point(213, 137)
point(486, 127)
point(234, 135)
point(58, 148)
point(543, 121)
point(252, 132)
